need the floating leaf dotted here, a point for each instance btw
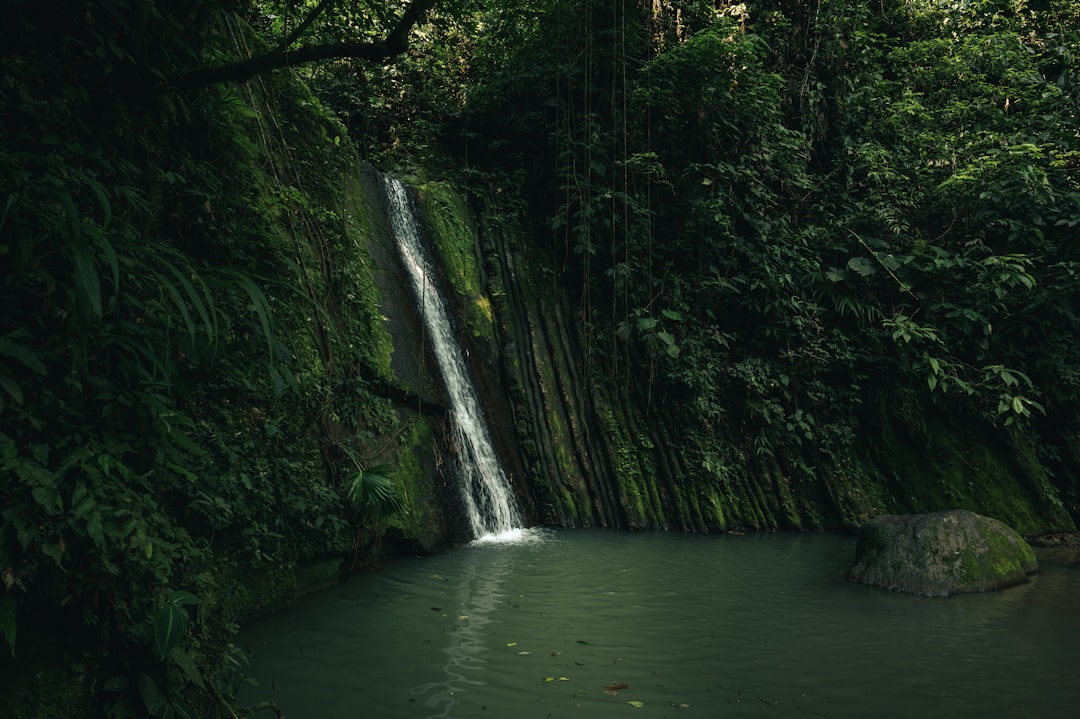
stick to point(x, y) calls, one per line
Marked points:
point(511, 644)
point(549, 679)
point(522, 654)
point(463, 617)
point(564, 679)
point(635, 703)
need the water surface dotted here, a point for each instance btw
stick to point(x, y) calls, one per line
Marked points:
point(606, 624)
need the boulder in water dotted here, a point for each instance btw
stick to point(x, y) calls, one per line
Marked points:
point(941, 554)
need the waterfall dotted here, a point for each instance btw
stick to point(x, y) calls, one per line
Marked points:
point(485, 489)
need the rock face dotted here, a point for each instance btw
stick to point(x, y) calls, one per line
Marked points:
point(941, 554)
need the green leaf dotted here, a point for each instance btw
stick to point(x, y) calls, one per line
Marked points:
point(259, 305)
point(30, 360)
point(54, 552)
point(635, 703)
point(183, 710)
point(7, 621)
point(170, 625)
point(95, 529)
point(81, 501)
point(187, 665)
point(862, 266)
point(182, 598)
point(178, 301)
point(12, 387)
point(150, 695)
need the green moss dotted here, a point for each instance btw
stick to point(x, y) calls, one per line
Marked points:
point(421, 518)
point(941, 553)
point(315, 574)
point(360, 292)
point(447, 217)
point(945, 466)
point(716, 509)
point(569, 505)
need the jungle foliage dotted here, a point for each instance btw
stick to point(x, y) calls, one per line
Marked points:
point(189, 337)
point(794, 221)
point(789, 222)
point(782, 222)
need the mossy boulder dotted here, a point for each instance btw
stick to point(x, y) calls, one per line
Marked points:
point(941, 554)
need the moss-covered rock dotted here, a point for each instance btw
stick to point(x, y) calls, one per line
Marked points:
point(941, 554)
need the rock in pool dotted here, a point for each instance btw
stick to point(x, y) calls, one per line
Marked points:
point(941, 554)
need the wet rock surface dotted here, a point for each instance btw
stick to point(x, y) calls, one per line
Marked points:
point(941, 554)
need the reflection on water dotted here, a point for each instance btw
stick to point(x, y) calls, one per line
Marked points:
point(480, 591)
point(598, 624)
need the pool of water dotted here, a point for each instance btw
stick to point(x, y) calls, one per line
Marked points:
point(606, 624)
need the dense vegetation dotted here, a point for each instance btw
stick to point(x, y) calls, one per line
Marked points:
point(807, 235)
point(804, 226)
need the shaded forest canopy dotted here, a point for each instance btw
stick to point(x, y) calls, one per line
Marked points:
point(735, 265)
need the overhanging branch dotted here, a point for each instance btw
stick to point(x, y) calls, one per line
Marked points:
point(395, 43)
point(303, 26)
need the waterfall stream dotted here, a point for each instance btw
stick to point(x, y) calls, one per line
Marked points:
point(485, 489)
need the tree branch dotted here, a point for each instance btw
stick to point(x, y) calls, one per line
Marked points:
point(303, 26)
point(395, 43)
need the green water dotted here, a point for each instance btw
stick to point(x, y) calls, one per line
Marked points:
point(692, 625)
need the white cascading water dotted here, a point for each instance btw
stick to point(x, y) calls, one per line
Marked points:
point(486, 491)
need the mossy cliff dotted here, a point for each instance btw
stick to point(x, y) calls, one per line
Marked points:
point(593, 442)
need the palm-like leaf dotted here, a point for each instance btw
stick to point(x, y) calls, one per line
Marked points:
point(374, 492)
